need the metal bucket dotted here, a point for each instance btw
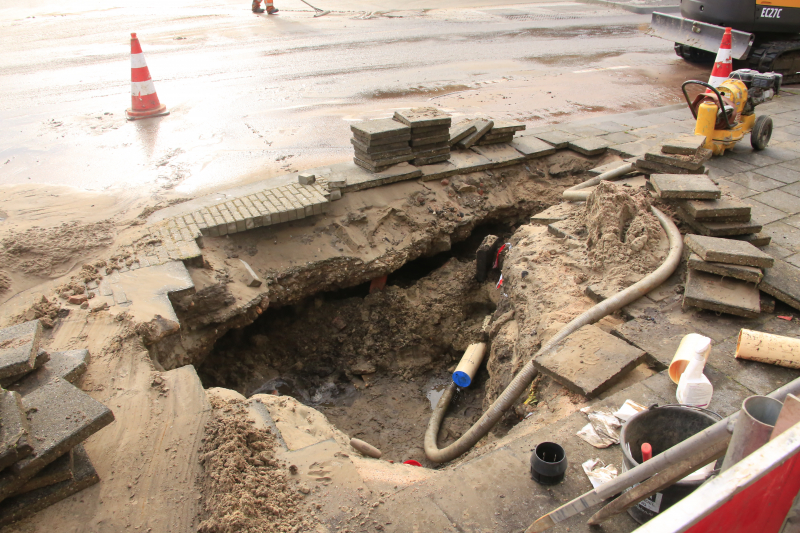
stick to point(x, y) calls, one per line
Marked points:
point(662, 428)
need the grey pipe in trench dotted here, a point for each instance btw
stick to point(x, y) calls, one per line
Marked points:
point(526, 375)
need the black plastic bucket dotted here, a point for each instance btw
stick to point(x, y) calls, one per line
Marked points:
point(663, 428)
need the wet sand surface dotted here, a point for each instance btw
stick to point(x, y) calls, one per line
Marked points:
point(253, 97)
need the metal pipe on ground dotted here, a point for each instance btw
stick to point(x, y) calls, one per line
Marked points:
point(526, 375)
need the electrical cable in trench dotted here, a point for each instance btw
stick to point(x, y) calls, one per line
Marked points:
point(526, 375)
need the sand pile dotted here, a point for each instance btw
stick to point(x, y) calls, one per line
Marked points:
point(41, 252)
point(245, 489)
point(623, 235)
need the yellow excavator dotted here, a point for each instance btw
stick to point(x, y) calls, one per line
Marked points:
point(765, 36)
point(725, 114)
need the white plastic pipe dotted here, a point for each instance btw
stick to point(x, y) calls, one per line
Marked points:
point(768, 348)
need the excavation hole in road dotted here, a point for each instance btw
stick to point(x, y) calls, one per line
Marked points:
point(374, 364)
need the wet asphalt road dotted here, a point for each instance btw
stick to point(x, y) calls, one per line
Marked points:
point(256, 96)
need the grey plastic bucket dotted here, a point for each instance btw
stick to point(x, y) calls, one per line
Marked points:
point(663, 428)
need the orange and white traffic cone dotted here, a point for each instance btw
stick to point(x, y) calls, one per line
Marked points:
point(144, 100)
point(724, 63)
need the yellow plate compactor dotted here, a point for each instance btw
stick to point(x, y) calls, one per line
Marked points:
point(725, 114)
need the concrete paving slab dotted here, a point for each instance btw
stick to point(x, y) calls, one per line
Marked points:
point(559, 139)
point(610, 126)
point(438, 171)
point(762, 213)
point(589, 145)
point(14, 429)
point(753, 181)
point(482, 126)
point(744, 273)
point(619, 137)
point(467, 161)
point(24, 505)
point(728, 251)
point(19, 345)
point(380, 129)
point(420, 161)
point(582, 130)
point(784, 235)
point(655, 167)
point(495, 139)
point(376, 152)
point(659, 338)
point(420, 117)
point(59, 470)
point(716, 210)
point(439, 139)
point(590, 361)
point(69, 365)
point(433, 151)
point(61, 417)
point(723, 229)
point(783, 282)
point(499, 154)
point(683, 186)
point(684, 145)
point(460, 131)
point(689, 162)
point(723, 295)
point(634, 149)
point(780, 173)
point(378, 143)
point(359, 179)
point(780, 199)
point(383, 164)
point(532, 147)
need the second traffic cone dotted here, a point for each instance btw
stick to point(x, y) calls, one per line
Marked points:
point(144, 100)
point(723, 65)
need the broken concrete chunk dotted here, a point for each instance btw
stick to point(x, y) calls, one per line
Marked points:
point(421, 117)
point(460, 131)
point(783, 282)
point(714, 210)
point(14, 429)
point(589, 145)
point(69, 365)
point(557, 138)
point(689, 162)
point(684, 145)
point(380, 129)
point(684, 186)
point(484, 257)
point(61, 417)
point(744, 273)
point(251, 279)
point(590, 361)
point(481, 127)
point(728, 251)
point(18, 348)
point(56, 472)
point(531, 147)
point(336, 194)
point(723, 295)
point(25, 505)
point(306, 179)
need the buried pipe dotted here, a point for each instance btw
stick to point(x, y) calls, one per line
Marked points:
point(526, 375)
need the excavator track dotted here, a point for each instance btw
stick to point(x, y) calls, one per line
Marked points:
point(776, 56)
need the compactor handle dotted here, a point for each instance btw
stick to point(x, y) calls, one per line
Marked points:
point(707, 86)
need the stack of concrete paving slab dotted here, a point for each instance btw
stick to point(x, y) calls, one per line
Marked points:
point(43, 421)
point(381, 143)
point(502, 131)
point(724, 275)
point(430, 134)
point(700, 204)
point(684, 155)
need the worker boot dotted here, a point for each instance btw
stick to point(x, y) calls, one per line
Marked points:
point(271, 10)
point(257, 6)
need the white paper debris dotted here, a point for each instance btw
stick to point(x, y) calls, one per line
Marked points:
point(628, 409)
point(598, 472)
point(603, 428)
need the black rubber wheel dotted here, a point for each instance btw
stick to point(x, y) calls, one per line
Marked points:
point(762, 131)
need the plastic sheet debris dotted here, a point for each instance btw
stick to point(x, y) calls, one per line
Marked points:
point(598, 472)
point(603, 428)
